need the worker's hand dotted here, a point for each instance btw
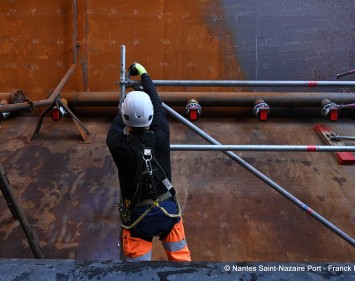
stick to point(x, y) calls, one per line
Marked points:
point(136, 69)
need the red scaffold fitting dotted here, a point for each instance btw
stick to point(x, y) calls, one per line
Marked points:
point(261, 110)
point(58, 111)
point(193, 109)
point(56, 114)
point(330, 110)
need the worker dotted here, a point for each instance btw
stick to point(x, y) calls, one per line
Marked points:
point(139, 142)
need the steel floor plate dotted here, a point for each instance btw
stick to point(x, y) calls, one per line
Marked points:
point(69, 190)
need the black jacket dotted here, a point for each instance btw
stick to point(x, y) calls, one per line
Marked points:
point(125, 157)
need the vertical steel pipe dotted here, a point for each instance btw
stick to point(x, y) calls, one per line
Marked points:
point(74, 31)
point(123, 74)
point(262, 177)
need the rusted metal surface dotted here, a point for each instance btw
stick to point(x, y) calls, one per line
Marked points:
point(69, 190)
point(37, 43)
point(178, 40)
point(34, 41)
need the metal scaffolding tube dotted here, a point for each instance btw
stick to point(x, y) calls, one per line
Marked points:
point(346, 106)
point(298, 148)
point(18, 213)
point(123, 77)
point(262, 177)
point(336, 137)
point(245, 83)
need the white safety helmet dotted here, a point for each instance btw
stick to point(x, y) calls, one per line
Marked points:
point(137, 109)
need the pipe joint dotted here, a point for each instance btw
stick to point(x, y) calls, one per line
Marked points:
point(17, 96)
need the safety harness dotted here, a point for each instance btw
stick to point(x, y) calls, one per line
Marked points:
point(149, 173)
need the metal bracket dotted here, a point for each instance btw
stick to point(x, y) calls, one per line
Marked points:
point(327, 136)
point(84, 132)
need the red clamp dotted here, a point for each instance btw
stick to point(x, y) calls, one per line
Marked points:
point(193, 109)
point(261, 110)
point(58, 111)
point(330, 110)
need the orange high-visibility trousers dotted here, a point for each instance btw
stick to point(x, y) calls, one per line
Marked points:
point(175, 246)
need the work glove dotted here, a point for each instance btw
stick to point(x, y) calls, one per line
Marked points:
point(136, 69)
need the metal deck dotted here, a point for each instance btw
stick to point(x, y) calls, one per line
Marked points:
point(69, 189)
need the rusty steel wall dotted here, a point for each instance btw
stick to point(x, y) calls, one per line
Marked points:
point(175, 40)
point(35, 40)
point(200, 39)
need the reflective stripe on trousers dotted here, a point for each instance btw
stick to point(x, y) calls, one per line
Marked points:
point(137, 249)
point(175, 244)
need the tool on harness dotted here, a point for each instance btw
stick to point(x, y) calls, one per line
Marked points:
point(148, 175)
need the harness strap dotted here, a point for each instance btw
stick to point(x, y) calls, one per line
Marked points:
point(144, 152)
point(146, 212)
point(148, 202)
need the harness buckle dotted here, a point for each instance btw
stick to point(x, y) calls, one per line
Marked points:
point(147, 157)
point(147, 154)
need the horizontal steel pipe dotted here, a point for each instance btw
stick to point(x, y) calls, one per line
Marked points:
point(245, 83)
point(206, 99)
point(5, 96)
point(216, 99)
point(92, 98)
point(300, 148)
